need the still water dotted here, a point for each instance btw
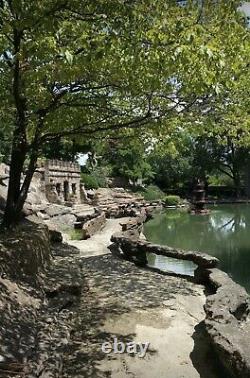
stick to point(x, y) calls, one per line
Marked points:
point(224, 233)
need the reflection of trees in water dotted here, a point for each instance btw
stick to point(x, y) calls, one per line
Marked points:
point(223, 233)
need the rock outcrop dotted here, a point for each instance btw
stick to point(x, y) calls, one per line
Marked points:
point(28, 248)
point(133, 248)
point(36, 298)
point(228, 323)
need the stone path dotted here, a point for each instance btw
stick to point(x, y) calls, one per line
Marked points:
point(135, 305)
point(97, 244)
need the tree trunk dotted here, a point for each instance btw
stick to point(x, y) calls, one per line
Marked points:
point(17, 193)
point(18, 155)
point(236, 180)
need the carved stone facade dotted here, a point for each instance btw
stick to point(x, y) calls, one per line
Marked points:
point(61, 180)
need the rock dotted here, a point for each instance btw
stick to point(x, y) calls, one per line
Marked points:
point(116, 202)
point(43, 216)
point(55, 236)
point(133, 246)
point(228, 324)
point(54, 210)
point(66, 219)
point(94, 225)
point(84, 212)
point(29, 247)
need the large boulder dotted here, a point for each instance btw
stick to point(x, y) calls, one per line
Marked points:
point(25, 252)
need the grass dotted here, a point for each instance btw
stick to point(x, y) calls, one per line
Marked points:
point(76, 234)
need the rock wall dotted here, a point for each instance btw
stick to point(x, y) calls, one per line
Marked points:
point(133, 248)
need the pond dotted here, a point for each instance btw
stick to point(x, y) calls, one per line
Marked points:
point(224, 233)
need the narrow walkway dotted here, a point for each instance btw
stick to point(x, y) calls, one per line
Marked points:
point(97, 244)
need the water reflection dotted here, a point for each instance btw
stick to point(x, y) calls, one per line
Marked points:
point(224, 233)
point(168, 264)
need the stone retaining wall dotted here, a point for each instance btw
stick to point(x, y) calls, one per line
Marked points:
point(227, 310)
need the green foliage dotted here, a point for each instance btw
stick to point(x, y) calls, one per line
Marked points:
point(127, 158)
point(171, 160)
point(5, 144)
point(76, 234)
point(172, 200)
point(97, 178)
point(92, 69)
point(89, 181)
point(152, 193)
point(100, 66)
point(63, 149)
point(220, 180)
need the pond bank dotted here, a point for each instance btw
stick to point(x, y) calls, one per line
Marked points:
point(227, 306)
point(98, 243)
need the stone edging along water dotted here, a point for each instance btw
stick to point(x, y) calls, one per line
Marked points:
point(227, 309)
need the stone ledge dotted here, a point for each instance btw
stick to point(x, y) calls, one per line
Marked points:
point(130, 245)
point(228, 324)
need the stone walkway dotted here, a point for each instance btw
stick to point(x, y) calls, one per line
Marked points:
point(135, 305)
point(97, 244)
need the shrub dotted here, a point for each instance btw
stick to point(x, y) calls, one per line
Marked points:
point(89, 181)
point(95, 179)
point(152, 193)
point(172, 200)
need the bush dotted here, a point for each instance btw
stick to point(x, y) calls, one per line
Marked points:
point(89, 181)
point(152, 193)
point(172, 200)
point(96, 178)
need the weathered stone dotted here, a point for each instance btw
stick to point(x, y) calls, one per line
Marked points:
point(61, 181)
point(92, 226)
point(29, 247)
point(84, 212)
point(116, 202)
point(228, 324)
point(135, 247)
point(54, 210)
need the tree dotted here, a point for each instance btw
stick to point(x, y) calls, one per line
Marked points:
point(128, 158)
point(228, 158)
point(5, 143)
point(84, 68)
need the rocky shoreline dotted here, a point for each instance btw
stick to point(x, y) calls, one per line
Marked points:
point(227, 309)
point(67, 298)
point(63, 314)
